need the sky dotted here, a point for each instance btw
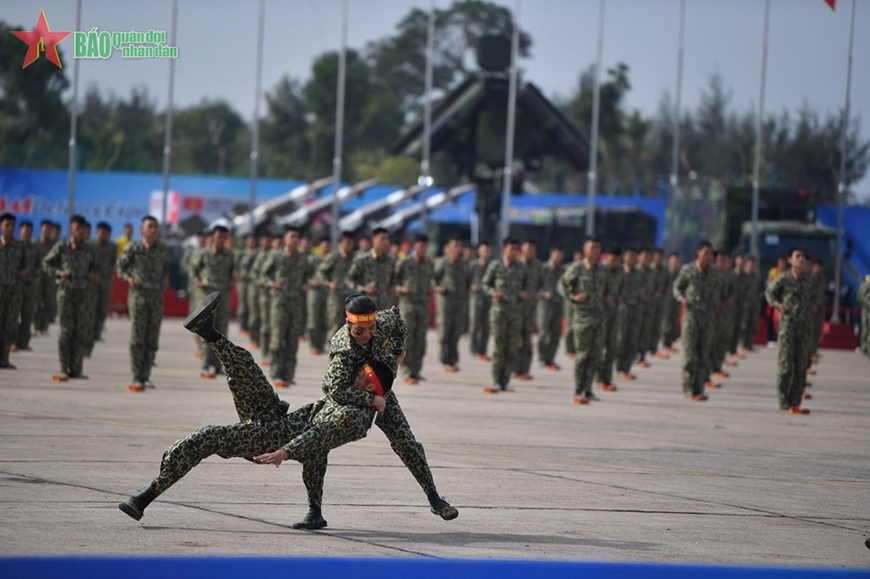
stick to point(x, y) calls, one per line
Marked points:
point(807, 59)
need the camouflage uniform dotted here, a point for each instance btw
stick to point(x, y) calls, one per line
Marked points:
point(46, 298)
point(533, 272)
point(504, 316)
point(449, 306)
point(367, 269)
point(213, 268)
point(795, 329)
point(478, 315)
point(613, 279)
point(317, 296)
point(194, 295)
point(149, 265)
point(550, 315)
point(752, 310)
point(570, 348)
point(264, 304)
point(661, 285)
point(864, 301)
point(721, 315)
point(312, 264)
point(333, 269)
point(417, 275)
point(244, 261)
point(29, 291)
point(76, 315)
point(105, 254)
point(291, 272)
point(12, 262)
point(628, 319)
point(671, 315)
point(819, 318)
point(589, 317)
point(738, 308)
point(698, 289)
point(645, 310)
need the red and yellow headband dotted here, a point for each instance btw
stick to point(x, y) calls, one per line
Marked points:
point(373, 378)
point(361, 318)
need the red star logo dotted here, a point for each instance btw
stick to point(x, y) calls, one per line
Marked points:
point(41, 38)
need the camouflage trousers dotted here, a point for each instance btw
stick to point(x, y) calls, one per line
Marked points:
point(252, 306)
point(503, 323)
point(549, 330)
point(526, 329)
point(609, 346)
point(628, 337)
point(286, 321)
point(818, 324)
point(146, 315)
point(655, 330)
point(792, 361)
point(670, 322)
point(570, 348)
point(646, 311)
point(416, 316)
point(103, 297)
point(265, 306)
point(449, 320)
point(27, 302)
point(221, 322)
point(718, 341)
point(589, 339)
point(243, 313)
point(46, 303)
point(865, 332)
point(317, 328)
point(335, 315)
point(749, 325)
point(93, 297)
point(76, 323)
point(478, 320)
point(696, 335)
point(10, 297)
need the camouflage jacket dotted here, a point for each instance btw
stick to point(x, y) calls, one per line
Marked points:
point(365, 270)
point(476, 269)
point(697, 287)
point(632, 286)
point(256, 271)
point(614, 280)
point(582, 278)
point(290, 272)
point(646, 285)
point(534, 279)
point(550, 282)
point(417, 275)
point(795, 294)
point(245, 261)
point(78, 260)
point(453, 277)
point(213, 269)
point(819, 288)
point(13, 261)
point(333, 269)
point(507, 279)
point(148, 265)
point(105, 254)
point(660, 278)
point(32, 262)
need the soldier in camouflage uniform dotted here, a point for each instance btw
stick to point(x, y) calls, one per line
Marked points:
point(286, 273)
point(244, 261)
point(212, 269)
point(479, 304)
point(792, 294)
point(144, 265)
point(741, 296)
point(254, 321)
point(317, 296)
point(413, 280)
point(46, 298)
point(187, 258)
point(551, 307)
point(628, 314)
point(695, 289)
point(614, 279)
point(863, 297)
point(305, 250)
point(671, 316)
point(450, 278)
point(72, 263)
point(646, 305)
point(13, 269)
point(29, 285)
point(332, 274)
point(752, 308)
point(92, 296)
point(105, 254)
point(533, 273)
point(570, 349)
point(661, 289)
point(722, 306)
point(583, 286)
point(266, 343)
point(819, 287)
point(371, 273)
point(504, 281)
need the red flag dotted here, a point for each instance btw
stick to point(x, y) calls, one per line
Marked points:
point(831, 3)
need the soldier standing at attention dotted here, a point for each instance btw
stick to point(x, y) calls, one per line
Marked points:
point(570, 349)
point(660, 292)
point(13, 269)
point(671, 317)
point(451, 281)
point(29, 285)
point(753, 306)
point(721, 307)
point(413, 280)
point(646, 305)
point(332, 274)
point(45, 292)
point(317, 295)
point(627, 318)
point(503, 281)
point(792, 294)
point(550, 310)
point(244, 261)
point(694, 288)
point(583, 286)
point(614, 279)
point(106, 254)
point(819, 287)
point(741, 296)
point(254, 321)
point(91, 295)
point(144, 265)
point(371, 273)
point(72, 263)
point(213, 271)
point(479, 304)
point(533, 270)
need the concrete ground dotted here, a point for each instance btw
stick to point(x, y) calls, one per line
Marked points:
point(642, 475)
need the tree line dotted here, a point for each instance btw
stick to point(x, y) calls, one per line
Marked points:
point(385, 95)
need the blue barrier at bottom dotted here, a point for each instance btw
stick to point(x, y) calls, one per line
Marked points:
point(267, 567)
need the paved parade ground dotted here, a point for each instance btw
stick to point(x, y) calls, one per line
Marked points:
point(642, 475)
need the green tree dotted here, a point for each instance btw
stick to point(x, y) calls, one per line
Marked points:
point(204, 138)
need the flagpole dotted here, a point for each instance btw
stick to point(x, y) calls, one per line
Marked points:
point(339, 125)
point(759, 120)
point(675, 151)
point(255, 128)
point(593, 144)
point(427, 114)
point(167, 132)
point(842, 185)
point(504, 222)
point(73, 130)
